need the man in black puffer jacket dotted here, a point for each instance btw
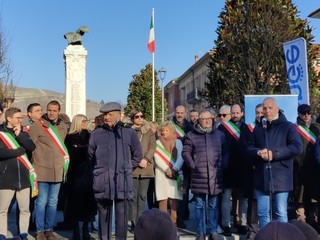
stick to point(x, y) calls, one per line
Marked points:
point(205, 152)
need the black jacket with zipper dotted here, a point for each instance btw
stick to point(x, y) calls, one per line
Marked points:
point(13, 174)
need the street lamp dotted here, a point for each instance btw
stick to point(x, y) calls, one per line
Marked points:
point(162, 74)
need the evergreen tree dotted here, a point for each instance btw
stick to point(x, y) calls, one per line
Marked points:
point(249, 57)
point(140, 94)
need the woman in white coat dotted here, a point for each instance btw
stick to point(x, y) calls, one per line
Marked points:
point(168, 174)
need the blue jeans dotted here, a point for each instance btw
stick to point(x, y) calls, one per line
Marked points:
point(280, 200)
point(213, 212)
point(46, 205)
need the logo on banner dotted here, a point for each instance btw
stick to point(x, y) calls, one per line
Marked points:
point(297, 69)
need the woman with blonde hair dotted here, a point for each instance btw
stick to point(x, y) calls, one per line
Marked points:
point(168, 174)
point(81, 205)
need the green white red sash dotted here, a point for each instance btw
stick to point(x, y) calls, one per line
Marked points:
point(167, 158)
point(251, 126)
point(306, 134)
point(56, 139)
point(164, 155)
point(232, 129)
point(26, 128)
point(180, 132)
point(11, 143)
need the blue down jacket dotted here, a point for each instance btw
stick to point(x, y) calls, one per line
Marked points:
point(115, 152)
point(285, 143)
point(205, 154)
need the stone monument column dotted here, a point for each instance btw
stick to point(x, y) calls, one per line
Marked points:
point(75, 75)
point(75, 56)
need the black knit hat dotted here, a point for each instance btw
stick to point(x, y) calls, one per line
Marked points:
point(308, 231)
point(154, 224)
point(304, 108)
point(279, 231)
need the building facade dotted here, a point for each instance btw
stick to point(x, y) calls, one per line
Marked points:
point(184, 89)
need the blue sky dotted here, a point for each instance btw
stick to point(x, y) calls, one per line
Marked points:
point(117, 41)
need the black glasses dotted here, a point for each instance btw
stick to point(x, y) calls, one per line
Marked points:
point(206, 119)
point(138, 116)
point(305, 113)
point(223, 114)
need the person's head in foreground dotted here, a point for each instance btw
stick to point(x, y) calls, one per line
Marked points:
point(308, 231)
point(280, 231)
point(154, 224)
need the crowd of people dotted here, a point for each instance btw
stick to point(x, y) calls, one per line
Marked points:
point(240, 175)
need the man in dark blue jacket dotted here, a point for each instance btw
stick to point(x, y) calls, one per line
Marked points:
point(205, 153)
point(304, 168)
point(115, 151)
point(274, 145)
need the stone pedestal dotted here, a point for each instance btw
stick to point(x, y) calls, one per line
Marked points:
point(75, 74)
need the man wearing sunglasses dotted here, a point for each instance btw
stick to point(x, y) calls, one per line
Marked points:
point(224, 113)
point(305, 184)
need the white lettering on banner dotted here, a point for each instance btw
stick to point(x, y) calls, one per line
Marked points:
point(297, 68)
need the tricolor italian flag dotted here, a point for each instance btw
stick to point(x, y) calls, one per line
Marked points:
point(151, 42)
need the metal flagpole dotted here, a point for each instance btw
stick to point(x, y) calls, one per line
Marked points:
point(153, 105)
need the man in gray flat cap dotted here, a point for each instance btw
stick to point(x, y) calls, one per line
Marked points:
point(115, 151)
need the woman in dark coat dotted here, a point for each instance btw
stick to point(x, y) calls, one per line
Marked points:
point(145, 171)
point(81, 205)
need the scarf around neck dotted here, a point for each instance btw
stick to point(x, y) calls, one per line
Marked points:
point(169, 143)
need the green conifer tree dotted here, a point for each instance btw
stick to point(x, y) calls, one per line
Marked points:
point(140, 94)
point(249, 57)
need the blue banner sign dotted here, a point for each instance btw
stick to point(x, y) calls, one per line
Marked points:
point(295, 52)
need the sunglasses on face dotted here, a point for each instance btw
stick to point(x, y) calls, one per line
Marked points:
point(305, 113)
point(223, 115)
point(138, 116)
